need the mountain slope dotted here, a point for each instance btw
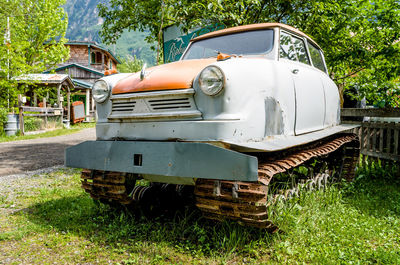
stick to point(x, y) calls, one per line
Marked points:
point(84, 24)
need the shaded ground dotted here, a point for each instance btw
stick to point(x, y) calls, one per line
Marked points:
point(27, 155)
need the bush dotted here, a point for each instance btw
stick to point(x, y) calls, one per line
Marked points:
point(33, 124)
point(3, 119)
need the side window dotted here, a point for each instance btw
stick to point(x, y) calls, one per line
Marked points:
point(195, 52)
point(301, 50)
point(286, 49)
point(316, 57)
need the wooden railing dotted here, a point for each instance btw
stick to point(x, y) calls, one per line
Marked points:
point(379, 131)
point(37, 112)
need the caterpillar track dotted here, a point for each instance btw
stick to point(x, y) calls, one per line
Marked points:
point(245, 202)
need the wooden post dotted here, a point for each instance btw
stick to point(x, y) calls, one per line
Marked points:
point(87, 103)
point(21, 115)
point(58, 96)
point(45, 113)
point(62, 117)
point(93, 104)
point(69, 105)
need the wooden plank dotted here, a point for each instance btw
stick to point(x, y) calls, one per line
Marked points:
point(367, 138)
point(37, 109)
point(40, 115)
point(45, 117)
point(381, 156)
point(33, 109)
point(351, 122)
point(378, 125)
point(362, 143)
point(389, 140)
point(373, 147)
point(21, 116)
point(380, 140)
point(373, 112)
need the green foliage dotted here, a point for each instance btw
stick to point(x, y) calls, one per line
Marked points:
point(130, 65)
point(32, 124)
point(37, 30)
point(133, 44)
point(3, 116)
point(3, 119)
point(358, 37)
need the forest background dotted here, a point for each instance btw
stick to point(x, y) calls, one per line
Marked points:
point(360, 38)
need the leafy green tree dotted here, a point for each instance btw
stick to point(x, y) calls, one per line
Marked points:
point(37, 30)
point(357, 36)
point(130, 65)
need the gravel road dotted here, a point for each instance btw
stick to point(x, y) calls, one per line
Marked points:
point(29, 155)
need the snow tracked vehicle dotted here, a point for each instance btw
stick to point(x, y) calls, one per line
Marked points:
point(244, 110)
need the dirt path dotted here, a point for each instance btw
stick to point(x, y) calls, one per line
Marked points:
point(28, 155)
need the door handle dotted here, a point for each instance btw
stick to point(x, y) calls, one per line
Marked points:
point(295, 71)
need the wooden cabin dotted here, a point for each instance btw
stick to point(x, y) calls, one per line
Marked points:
point(92, 55)
point(88, 61)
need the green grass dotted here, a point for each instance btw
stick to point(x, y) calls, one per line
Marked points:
point(57, 132)
point(358, 223)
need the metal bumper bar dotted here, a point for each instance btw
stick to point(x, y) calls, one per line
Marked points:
point(179, 159)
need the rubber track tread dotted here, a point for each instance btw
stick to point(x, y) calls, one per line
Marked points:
point(107, 186)
point(246, 202)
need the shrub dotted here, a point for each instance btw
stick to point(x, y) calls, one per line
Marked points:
point(33, 124)
point(3, 119)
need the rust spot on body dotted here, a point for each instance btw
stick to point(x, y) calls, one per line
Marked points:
point(176, 75)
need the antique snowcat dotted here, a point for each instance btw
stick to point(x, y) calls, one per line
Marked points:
point(244, 111)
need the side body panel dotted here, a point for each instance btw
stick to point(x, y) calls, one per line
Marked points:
point(332, 101)
point(310, 98)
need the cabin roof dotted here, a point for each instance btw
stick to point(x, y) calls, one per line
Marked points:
point(45, 79)
point(75, 65)
point(81, 83)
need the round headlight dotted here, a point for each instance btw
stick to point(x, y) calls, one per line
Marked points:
point(100, 91)
point(211, 80)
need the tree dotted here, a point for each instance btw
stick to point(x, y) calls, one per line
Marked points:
point(357, 36)
point(37, 30)
point(130, 65)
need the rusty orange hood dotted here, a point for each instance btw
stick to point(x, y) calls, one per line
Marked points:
point(176, 75)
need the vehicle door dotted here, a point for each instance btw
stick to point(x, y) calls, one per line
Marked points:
point(309, 91)
point(332, 98)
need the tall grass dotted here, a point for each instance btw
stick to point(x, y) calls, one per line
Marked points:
point(356, 222)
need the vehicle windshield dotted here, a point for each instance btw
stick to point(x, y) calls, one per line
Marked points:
point(243, 43)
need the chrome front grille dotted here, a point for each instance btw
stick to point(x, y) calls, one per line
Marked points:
point(169, 104)
point(166, 104)
point(123, 106)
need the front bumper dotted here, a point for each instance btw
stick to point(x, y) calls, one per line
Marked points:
point(171, 159)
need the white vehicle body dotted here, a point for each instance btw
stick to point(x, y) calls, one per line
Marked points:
point(266, 103)
point(207, 112)
point(241, 106)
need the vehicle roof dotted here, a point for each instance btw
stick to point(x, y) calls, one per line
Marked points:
point(253, 27)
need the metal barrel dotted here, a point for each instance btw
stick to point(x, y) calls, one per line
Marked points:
point(11, 126)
